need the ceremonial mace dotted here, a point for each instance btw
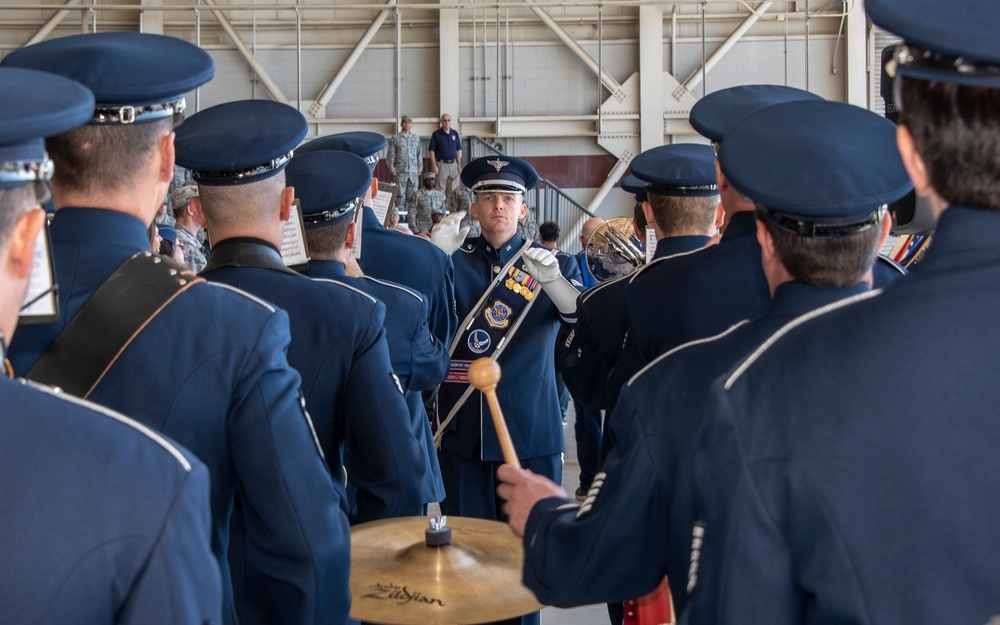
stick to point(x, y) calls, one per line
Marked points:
point(484, 374)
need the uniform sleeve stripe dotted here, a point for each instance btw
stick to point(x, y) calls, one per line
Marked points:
point(346, 286)
point(150, 433)
point(674, 350)
point(791, 325)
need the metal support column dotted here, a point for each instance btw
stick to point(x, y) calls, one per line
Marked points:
point(650, 77)
point(856, 55)
point(448, 99)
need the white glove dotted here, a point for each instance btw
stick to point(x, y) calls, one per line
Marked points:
point(544, 267)
point(448, 234)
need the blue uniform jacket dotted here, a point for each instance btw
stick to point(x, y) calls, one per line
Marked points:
point(692, 296)
point(852, 498)
point(601, 325)
point(210, 372)
point(637, 523)
point(586, 277)
point(527, 388)
point(418, 358)
point(338, 347)
point(413, 262)
point(104, 521)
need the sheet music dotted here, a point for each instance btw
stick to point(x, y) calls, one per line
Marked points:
point(294, 249)
point(41, 285)
point(650, 244)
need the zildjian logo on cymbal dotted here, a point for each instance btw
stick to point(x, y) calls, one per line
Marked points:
point(401, 594)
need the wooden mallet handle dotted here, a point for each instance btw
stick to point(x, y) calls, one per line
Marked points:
point(484, 374)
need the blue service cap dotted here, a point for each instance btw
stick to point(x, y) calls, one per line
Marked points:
point(35, 105)
point(167, 233)
point(135, 77)
point(819, 169)
point(953, 42)
point(679, 170)
point(327, 184)
point(713, 115)
point(499, 173)
point(367, 145)
point(239, 142)
point(631, 184)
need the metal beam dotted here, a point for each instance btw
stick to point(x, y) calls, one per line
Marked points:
point(696, 76)
point(609, 183)
point(606, 79)
point(258, 69)
point(330, 89)
point(52, 22)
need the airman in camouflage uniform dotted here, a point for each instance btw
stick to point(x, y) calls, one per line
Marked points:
point(427, 199)
point(405, 159)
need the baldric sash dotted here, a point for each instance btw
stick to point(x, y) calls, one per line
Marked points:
point(487, 331)
point(115, 314)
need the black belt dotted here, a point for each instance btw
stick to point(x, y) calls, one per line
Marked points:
point(442, 160)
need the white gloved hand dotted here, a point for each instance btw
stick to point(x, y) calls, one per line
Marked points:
point(448, 234)
point(543, 266)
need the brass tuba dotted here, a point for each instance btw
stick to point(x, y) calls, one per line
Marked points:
point(614, 251)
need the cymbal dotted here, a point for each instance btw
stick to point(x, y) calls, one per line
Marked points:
point(397, 579)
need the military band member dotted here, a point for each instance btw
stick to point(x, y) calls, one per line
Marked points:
point(591, 350)
point(228, 395)
point(698, 295)
point(683, 206)
point(512, 294)
point(849, 170)
point(135, 544)
point(404, 157)
point(389, 254)
point(418, 359)
point(338, 342)
point(851, 499)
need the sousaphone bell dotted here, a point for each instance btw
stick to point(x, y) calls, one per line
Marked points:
point(614, 251)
